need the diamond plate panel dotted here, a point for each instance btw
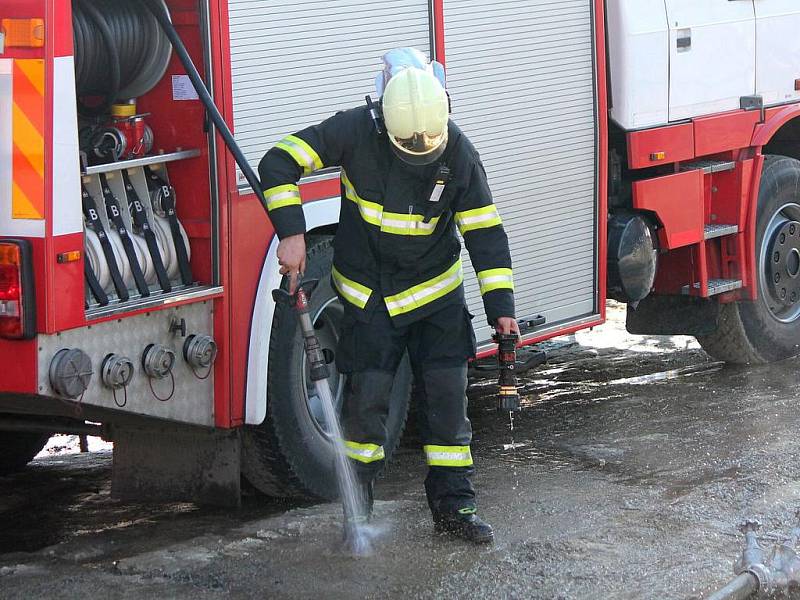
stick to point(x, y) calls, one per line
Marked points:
point(193, 399)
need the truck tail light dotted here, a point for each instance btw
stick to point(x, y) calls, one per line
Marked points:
point(17, 303)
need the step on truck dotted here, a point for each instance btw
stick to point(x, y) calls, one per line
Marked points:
point(646, 151)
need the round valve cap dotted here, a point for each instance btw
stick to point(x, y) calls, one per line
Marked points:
point(200, 351)
point(157, 361)
point(70, 372)
point(116, 371)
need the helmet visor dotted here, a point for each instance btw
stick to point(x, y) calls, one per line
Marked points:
point(419, 149)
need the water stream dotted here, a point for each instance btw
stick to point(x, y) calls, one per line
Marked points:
point(358, 536)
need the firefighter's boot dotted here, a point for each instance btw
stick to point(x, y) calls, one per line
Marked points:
point(464, 523)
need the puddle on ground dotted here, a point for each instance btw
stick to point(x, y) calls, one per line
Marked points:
point(706, 368)
point(526, 453)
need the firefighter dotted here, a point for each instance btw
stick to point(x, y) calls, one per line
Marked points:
point(409, 179)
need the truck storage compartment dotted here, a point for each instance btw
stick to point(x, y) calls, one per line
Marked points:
point(522, 79)
point(148, 210)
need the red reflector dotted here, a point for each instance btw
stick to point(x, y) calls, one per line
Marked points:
point(12, 302)
point(797, 85)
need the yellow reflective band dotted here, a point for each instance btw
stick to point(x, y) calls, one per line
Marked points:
point(394, 223)
point(448, 456)
point(301, 152)
point(355, 293)
point(401, 224)
point(478, 218)
point(426, 292)
point(371, 212)
point(365, 453)
point(496, 279)
point(282, 195)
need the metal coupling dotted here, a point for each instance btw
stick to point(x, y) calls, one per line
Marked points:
point(200, 351)
point(158, 361)
point(116, 371)
point(760, 572)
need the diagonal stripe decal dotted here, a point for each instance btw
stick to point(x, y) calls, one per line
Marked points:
point(33, 71)
point(26, 176)
point(27, 123)
point(22, 205)
point(28, 141)
point(28, 99)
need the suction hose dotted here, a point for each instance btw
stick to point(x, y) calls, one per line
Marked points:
point(741, 588)
point(159, 12)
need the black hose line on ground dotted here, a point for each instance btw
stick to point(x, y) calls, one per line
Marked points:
point(117, 49)
point(158, 11)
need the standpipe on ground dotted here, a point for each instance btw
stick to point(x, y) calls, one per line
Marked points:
point(760, 574)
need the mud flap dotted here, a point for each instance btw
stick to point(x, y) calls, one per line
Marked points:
point(177, 464)
point(673, 315)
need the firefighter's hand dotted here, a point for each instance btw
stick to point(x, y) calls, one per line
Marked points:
point(292, 258)
point(506, 325)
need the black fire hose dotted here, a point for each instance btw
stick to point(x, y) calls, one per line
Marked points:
point(163, 19)
point(88, 22)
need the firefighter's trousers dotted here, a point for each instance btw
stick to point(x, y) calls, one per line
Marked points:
point(439, 347)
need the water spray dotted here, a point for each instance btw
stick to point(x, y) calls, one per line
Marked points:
point(358, 535)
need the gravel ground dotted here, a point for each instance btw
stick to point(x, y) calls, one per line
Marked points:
point(626, 475)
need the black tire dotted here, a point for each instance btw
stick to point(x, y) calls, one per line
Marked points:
point(289, 454)
point(17, 449)
point(763, 331)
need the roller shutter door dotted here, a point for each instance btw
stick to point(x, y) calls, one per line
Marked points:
point(296, 63)
point(521, 73)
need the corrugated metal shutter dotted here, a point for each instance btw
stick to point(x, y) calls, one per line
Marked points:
point(520, 73)
point(296, 63)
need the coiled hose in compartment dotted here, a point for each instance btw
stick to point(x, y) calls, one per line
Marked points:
point(159, 11)
point(121, 52)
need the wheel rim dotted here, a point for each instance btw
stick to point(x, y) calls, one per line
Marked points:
point(779, 258)
point(326, 324)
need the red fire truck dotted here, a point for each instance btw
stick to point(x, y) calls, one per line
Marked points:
point(645, 151)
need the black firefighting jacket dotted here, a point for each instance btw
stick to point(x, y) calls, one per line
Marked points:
point(393, 245)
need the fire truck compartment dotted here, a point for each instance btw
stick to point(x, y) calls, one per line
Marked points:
point(521, 77)
point(522, 80)
point(169, 181)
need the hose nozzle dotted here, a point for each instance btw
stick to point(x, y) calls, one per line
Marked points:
point(508, 400)
point(299, 301)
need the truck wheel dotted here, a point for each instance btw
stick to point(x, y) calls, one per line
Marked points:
point(291, 453)
point(768, 329)
point(17, 449)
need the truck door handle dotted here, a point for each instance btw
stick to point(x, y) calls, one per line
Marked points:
point(684, 40)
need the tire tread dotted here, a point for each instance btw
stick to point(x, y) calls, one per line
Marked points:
point(268, 464)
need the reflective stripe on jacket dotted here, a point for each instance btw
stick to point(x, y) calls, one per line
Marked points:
point(393, 245)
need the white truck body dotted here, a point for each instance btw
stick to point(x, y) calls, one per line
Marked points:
point(673, 60)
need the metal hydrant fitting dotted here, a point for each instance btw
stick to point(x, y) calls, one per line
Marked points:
point(759, 575)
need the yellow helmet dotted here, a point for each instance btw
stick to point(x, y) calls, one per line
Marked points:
point(415, 112)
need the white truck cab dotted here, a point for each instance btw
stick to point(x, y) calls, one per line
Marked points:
point(677, 59)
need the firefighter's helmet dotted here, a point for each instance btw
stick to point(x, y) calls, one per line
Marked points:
point(415, 112)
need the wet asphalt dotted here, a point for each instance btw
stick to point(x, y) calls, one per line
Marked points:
point(626, 475)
